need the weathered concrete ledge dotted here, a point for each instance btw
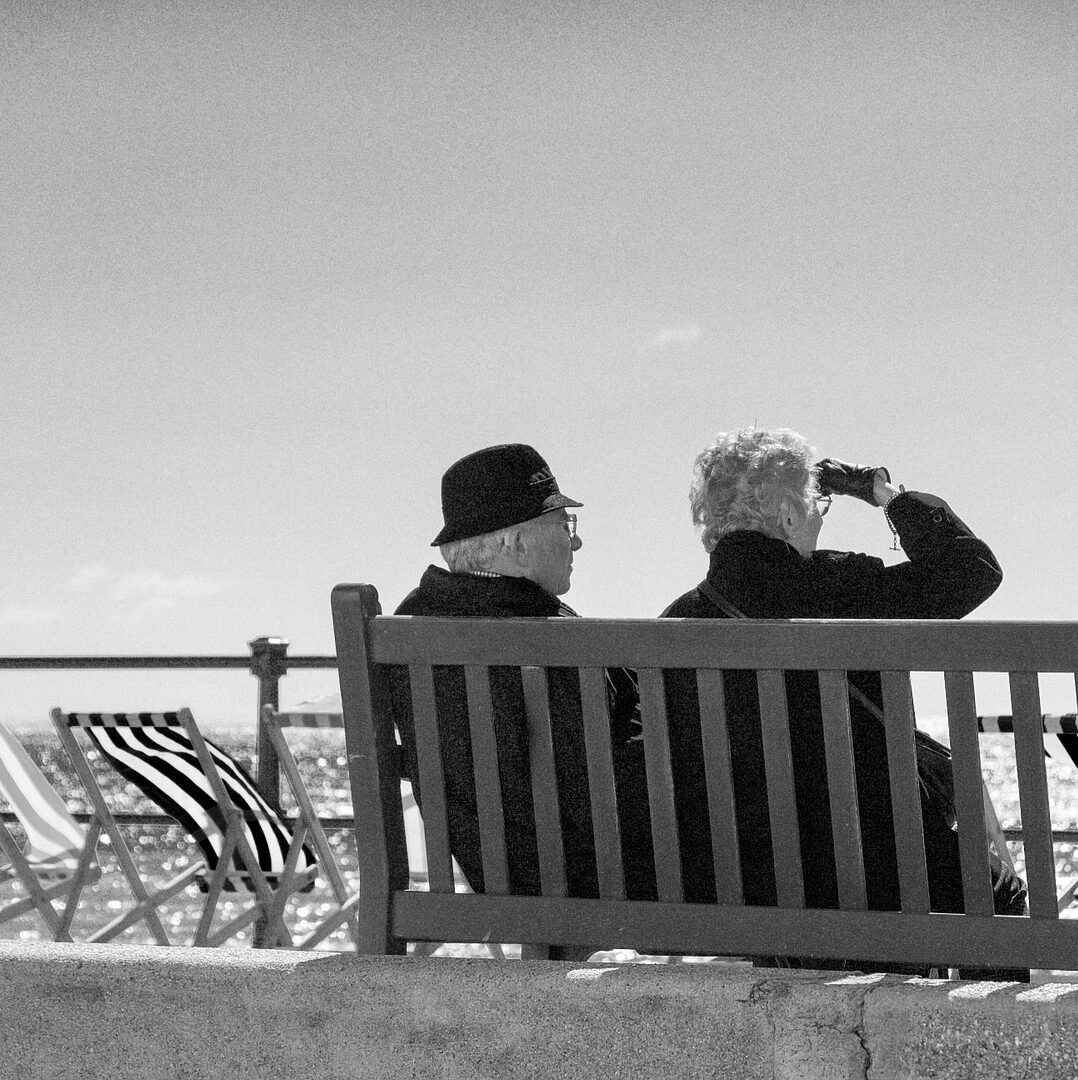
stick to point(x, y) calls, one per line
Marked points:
point(122, 1011)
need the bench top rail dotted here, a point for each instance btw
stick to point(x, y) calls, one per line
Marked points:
point(849, 644)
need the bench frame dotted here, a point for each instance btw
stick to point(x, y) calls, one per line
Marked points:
point(391, 915)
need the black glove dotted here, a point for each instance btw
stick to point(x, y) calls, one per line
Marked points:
point(841, 478)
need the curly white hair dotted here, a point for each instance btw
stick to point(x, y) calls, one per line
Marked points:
point(740, 480)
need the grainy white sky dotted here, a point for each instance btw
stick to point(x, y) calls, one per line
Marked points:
point(267, 269)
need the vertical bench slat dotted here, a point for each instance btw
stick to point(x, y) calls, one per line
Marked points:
point(905, 791)
point(842, 786)
point(488, 791)
point(604, 811)
point(664, 827)
point(544, 783)
point(1033, 793)
point(375, 786)
point(718, 774)
point(431, 779)
point(968, 792)
point(781, 801)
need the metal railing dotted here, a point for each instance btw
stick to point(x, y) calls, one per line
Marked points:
point(268, 663)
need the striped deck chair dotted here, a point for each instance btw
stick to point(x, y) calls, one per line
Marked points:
point(58, 858)
point(275, 723)
point(242, 839)
point(1061, 741)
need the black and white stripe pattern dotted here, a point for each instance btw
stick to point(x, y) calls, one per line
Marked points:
point(310, 719)
point(1053, 724)
point(155, 753)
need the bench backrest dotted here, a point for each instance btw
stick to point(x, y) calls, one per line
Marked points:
point(391, 915)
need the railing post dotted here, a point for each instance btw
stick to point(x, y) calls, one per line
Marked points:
point(269, 661)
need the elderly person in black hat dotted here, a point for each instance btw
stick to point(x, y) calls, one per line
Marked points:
point(505, 522)
point(508, 542)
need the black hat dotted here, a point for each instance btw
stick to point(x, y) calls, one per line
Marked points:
point(495, 488)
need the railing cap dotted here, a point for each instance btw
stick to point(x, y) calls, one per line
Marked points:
point(268, 644)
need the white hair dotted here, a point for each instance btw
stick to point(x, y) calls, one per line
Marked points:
point(475, 552)
point(741, 478)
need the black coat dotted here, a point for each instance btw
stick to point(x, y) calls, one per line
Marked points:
point(948, 574)
point(441, 593)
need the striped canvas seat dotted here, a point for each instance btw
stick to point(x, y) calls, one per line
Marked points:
point(242, 839)
point(1052, 723)
point(160, 760)
point(58, 857)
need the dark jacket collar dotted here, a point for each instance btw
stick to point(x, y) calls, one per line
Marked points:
point(441, 592)
point(749, 544)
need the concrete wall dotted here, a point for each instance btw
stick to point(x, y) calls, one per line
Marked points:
point(115, 1011)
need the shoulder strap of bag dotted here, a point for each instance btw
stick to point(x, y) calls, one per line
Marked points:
point(733, 612)
point(705, 588)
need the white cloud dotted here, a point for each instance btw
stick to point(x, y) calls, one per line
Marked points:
point(150, 590)
point(687, 334)
point(88, 576)
point(28, 615)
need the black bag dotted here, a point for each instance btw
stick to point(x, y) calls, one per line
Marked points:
point(936, 777)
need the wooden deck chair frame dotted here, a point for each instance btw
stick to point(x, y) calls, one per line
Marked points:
point(268, 900)
point(274, 722)
point(51, 833)
point(347, 912)
point(44, 889)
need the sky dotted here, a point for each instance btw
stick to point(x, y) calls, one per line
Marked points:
point(268, 269)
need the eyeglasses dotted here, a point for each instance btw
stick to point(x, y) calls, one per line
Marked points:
point(570, 525)
point(823, 504)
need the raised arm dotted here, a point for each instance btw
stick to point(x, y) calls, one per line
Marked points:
point(949, 571)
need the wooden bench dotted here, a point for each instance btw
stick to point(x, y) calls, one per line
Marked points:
point(391, 914)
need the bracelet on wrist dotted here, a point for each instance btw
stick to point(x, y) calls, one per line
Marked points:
point(887, 515)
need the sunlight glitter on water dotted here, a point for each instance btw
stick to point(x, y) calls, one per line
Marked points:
point(165, 851)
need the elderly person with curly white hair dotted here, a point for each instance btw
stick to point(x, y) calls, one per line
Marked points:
point(759, 499)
